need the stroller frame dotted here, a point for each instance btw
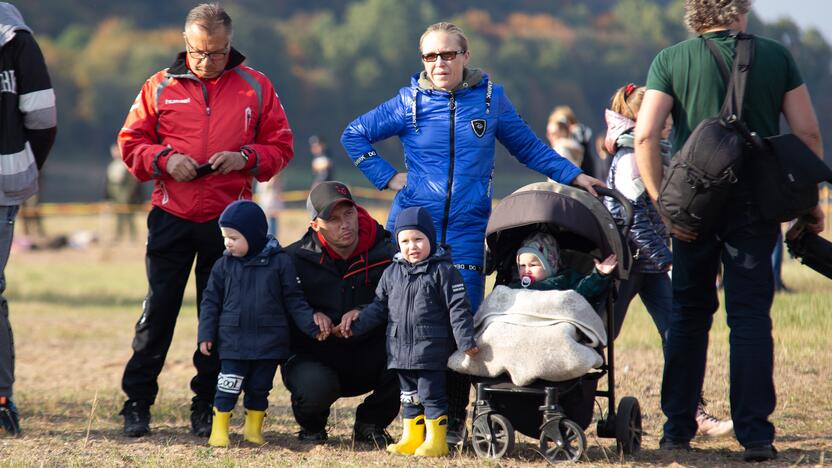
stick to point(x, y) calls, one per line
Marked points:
point(562, 439)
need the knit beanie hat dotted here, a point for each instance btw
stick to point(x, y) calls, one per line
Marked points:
point(544, 247)
point(247, 218)
point(417, 218)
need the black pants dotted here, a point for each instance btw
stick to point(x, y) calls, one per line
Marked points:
point(254, 377)
point(172, 244)
point(423, 392)
point(317, 383)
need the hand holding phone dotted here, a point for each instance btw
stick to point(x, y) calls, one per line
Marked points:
point(204, 170)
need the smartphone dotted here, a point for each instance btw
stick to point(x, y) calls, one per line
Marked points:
point(203, 170)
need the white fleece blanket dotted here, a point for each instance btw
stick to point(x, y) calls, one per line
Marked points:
point(534, 335)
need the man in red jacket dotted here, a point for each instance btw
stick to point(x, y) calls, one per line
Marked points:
point(201, 130)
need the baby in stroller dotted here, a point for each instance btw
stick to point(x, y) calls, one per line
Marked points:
point(542, 332)
point(538, 268)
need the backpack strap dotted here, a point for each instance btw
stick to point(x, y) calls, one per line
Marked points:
point(736, 81)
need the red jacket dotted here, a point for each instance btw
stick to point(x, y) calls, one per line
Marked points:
point(176, 112)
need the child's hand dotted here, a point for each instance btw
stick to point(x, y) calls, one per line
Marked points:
point(324, 324)
point(607, 266)
point(346, 322)
point(205, 347)
point(473, 351)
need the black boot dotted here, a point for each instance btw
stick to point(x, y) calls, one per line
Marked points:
point(202, 417)
point(136, 418)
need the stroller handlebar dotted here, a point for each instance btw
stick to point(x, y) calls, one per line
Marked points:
point(625, 203)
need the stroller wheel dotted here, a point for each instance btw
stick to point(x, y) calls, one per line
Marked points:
point(492, 436)
point(628, 426)
point(564, 443)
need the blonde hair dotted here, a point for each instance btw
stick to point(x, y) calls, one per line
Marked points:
point(448, 28)
point(562, 112)
point(627, 104)
point(701, 15)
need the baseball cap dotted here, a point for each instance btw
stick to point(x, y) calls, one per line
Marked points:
point(323, 198)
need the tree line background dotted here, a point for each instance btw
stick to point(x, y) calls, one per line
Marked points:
point(332, 61)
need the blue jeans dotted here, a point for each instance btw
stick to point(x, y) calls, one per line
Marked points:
point(744, 248)
point(253, 377)
point(7, 217)
point(423, 392)
point(655, 292)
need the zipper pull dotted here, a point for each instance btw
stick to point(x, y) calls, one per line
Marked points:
point(208, 110)
point(453, 102)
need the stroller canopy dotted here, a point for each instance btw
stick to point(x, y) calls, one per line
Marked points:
point(583, 219)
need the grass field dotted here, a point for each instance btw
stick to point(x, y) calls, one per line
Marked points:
point(73, 314)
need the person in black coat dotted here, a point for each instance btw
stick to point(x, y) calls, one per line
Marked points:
point(340, 260)
point(251, 290)
point(422, 298)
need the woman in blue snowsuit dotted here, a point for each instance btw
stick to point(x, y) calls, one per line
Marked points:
point(447, 121)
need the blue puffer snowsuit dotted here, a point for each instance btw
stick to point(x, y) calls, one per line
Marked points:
point(246, 304)
point(449, 140)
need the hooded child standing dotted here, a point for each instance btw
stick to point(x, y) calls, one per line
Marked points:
point(251, 290)
point(422, 297)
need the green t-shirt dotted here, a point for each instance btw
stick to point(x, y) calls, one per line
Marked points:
point(689, 73)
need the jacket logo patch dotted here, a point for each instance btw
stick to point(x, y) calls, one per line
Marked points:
point(478, 125)
point(178, 101)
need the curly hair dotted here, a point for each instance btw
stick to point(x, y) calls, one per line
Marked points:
point(701, 15)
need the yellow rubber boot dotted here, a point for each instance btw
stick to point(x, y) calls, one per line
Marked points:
point(435, 444)
point(413, 435)
point(253, 429)
point(219, 429)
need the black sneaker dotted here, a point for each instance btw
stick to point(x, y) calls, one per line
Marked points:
point(315, 437)
point(457, 432)
point(372, 435)
point(760, 454)
point(9, 419)
point(202, 417)
point(136, 418)
point(670, 444)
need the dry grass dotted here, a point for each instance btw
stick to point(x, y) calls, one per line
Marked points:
point(73, 314)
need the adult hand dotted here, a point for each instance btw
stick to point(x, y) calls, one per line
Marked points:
point(227, 161)
point(606, 267)
point(181, 167)
point(473, 351)
point(205, 347)
point(817, 222)
point(324, 324)
point(586, 182)
point(398, 181)
point(346, 322)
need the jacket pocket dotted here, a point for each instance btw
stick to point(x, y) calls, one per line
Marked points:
point(272, 337)
point(431, 346)
point(229, 333)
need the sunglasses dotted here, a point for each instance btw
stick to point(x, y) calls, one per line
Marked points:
point(446, 56)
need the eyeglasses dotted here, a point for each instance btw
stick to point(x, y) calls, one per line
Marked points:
point(446, 56)
point(199, 55)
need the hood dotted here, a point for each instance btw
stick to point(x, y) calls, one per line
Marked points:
point(11, 21)
point(470, 78)
point(617, 125)
point(271, 248)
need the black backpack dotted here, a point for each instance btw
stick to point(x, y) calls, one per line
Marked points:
point(702, 174)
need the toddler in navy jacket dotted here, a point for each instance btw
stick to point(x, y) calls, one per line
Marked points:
point(243, 317)
point(422, 298)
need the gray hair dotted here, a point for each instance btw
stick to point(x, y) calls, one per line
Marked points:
point(209, 17)
point(448, 28)
point(701, 15)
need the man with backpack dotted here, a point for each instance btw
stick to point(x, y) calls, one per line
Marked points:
point(685, 81)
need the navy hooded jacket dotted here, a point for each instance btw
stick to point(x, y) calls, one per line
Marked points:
point(449, 140)
point(427, 312)
point(245, 305)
